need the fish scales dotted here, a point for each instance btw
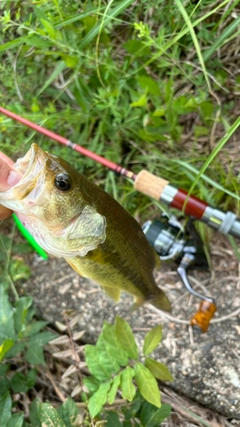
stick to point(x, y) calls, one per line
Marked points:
point(72, 217)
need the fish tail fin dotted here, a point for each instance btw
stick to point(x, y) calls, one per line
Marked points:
point(160, 301)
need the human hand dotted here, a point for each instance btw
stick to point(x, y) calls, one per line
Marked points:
point(8, 178)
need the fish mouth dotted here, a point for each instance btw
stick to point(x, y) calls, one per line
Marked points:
point(30, 187)
point(30, 165)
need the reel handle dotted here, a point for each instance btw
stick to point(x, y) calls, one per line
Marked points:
point(203, 316)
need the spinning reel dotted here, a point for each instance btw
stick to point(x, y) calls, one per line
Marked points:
point(173, 242)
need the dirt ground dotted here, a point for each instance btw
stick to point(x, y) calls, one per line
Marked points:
point(206, 367)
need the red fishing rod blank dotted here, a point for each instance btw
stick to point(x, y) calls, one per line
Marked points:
point(151, 185)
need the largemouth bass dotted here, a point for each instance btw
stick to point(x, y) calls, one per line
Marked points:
point(73, 218)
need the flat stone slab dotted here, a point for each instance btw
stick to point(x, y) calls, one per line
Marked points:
point(206, 367)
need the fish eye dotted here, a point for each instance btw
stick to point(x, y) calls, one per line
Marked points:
point(63, 182)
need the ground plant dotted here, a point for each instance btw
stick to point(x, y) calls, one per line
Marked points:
point(149, 84)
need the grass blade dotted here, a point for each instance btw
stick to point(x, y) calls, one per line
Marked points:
point(221, 39)
point(215, 152)
point(99, 26)
point(187, 20)
point(59, 68)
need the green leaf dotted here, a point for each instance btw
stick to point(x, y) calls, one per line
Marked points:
point(10, 45)
point(5, 347)
point(15, 349)
point(96, 367)
point(34, 355)
point(149, 84)
point(4, 369)
point(70, 60)
point(115, 349)
point(48, 416)
point(42, 338)
point(22, 383)
point(104, 22)
point(152, 339)
point(22, 305)
point(127, 386)
point(37, 41)
point(4, 385)
point(49, 28)
point(158, 369)
point(159, 416)
point(91, 383)
point(7, 329)
point(136, 48)
point(16, 420)
point(69, 412)
point(34, 413)
point(141, 102)
point(34, 327)
point(114, 388)
point(98, 399)
point(126, 338)
point(106, 359)
point(147, 384)
point(5, 408)
point(112, 419)
point(147, 411)
point(58, 69)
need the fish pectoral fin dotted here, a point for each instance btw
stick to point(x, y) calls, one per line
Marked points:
point(113, 293)
point(76, 268)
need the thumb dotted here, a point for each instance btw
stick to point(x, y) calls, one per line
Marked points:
point(8, 176)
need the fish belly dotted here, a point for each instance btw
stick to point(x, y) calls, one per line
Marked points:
point(114, 276)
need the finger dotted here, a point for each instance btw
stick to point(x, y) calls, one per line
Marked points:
point(4, 213)
point(8, 178)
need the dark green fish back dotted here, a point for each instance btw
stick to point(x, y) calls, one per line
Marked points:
point(125, 260)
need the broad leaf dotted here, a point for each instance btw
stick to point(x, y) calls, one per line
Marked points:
point(114, 388)
point(127, 386)
point(158, 369)
point(35, 355)
point(91, 383)
point(106, 359)
point(126, 338)
point(7, 329)
point(115, 349)
point(42, 338)
point(69, 412)
point(48, 416)
point(22, 383)
point(34, 327)
point(5, 408)
point(159, 415)
point(98, 399)
point(152, 339)
point(147, 384)
point(112, 419)
point(93, 362)
point(16, 420)
point(22, 306)
point(5, 347)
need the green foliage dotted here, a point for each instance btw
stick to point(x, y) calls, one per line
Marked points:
point(19, 335)
point(144, 84)
point(125, 86)
point(131, 377)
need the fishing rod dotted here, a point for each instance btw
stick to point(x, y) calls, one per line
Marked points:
point(151, 185)
point(167, 236)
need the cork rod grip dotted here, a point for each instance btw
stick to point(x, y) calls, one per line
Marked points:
point(149, 184)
